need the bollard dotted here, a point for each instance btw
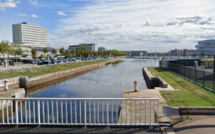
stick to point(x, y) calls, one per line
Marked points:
point(5, 63)
point(135, 85)
point(23, 81)
point(5, 85)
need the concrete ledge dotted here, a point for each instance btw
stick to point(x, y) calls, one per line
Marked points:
point(11, 81)
point(163, 83)
point(152, 81)
point(55, 75)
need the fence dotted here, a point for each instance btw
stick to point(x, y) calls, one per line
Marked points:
point(79, 111)
point(201, 78)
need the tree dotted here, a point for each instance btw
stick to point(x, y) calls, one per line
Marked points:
point(115, 52)
point(45, 50)
point(81, 47)
point(61, 50)
point(4, 47)
point(81, 50)
point(106, 53)
point(73, 53)
point(34, 53)
point(54, 50)
point(18, 51)
point(66, 53)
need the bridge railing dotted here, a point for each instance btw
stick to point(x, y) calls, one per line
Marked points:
point(79, 111)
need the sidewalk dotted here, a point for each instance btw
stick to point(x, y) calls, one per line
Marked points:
point(198, 125)
point(19, 65)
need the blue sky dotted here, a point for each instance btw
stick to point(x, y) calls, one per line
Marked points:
point(153, 25)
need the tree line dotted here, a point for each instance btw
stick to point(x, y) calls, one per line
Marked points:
point(80, 51)
point(14, 49)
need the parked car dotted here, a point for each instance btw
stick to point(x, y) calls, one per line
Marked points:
point(59, 62)
point(65, 61)
point(53, 61)
point(74, 60)
point(27, 61)
point(45, 63)
point(34, 61)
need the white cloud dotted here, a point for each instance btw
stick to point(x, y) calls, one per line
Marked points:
point(33, 2)
point(197, 20)
point(61, 13)
point(22, 15)
point(126, 24)
point(34, 16)
point(148, 22)
point(9, 4)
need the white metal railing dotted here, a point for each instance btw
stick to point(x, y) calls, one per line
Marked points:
point(79, 111)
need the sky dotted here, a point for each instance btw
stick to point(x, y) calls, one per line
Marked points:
point(152, 25)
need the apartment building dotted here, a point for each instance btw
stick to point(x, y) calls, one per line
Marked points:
point(29, 34)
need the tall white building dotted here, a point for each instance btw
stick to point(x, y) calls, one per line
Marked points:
point(29, 34)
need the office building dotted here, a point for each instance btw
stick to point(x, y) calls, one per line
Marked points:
point(102, 48)
point(90, 47)
point(137, 53)
point(206, 47)
point(29, 34)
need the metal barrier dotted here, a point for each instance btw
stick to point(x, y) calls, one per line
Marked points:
point(80, 111)
point(199, 77)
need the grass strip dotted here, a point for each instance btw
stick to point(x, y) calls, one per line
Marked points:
point(31, 72)
point(190, 94)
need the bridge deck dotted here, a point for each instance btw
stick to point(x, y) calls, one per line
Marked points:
point(130, 108)
point(56, 129)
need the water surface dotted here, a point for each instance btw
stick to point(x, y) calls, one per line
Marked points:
point(106, 82)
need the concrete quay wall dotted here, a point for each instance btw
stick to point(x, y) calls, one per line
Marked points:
point(11, 81)
point(11, 93)
point(34, 81)
point(152, 81)
point(25, 82)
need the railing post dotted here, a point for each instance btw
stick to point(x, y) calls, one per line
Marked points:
point(184, 71)
point(213, 81)
point(38, 112)
point(203, 78)
point(16, 107)
point(158, 111)
point(85, 113)
point(107, 114)
point(195, 75)
point(189, 73)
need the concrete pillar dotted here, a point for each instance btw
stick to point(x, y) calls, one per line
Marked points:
point(135, 86)
point(23, 81)
point(6, 85)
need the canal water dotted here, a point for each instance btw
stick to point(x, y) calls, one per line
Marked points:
point(106, 82)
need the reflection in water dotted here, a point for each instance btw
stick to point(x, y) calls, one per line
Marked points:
point(101, 83)
point(107, 82)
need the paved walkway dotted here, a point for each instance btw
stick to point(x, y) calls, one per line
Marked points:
point(199, 125)
point(132, 109)
point(17, 65)
point(56, 129)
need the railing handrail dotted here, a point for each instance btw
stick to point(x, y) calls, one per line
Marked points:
point(80, 111)
point(79, 98)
